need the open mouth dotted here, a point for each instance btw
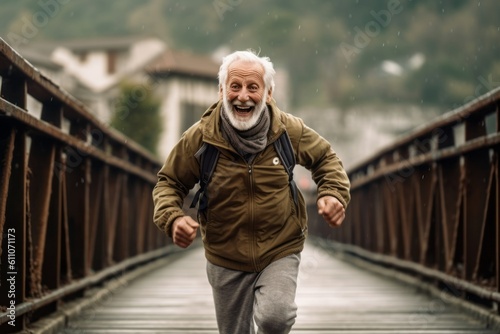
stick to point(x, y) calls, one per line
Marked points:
point(242, 109)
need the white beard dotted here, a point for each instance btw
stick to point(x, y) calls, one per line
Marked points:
point(243, 125)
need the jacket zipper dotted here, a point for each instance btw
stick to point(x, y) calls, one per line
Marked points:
point(252, 222)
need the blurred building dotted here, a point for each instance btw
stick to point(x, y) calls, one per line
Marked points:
point(92, 70)
point(188, 85)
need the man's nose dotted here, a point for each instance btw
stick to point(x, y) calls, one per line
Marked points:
point(243, 95)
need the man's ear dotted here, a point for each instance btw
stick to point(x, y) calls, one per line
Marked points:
point(269, 95)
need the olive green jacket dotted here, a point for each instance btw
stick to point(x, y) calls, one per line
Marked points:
point(251, 218)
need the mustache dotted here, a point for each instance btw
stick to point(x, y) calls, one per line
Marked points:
point(235, 102)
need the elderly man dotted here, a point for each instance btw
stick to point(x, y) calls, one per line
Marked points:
point(253, 224)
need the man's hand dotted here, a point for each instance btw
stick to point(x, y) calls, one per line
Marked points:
point(184, 231)
point(332, 210)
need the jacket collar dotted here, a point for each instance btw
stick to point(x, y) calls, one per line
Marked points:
point(211, 128)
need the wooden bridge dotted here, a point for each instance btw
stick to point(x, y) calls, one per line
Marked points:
point(419, 251)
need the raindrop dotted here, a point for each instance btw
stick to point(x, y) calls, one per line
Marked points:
point(316, 52)
point(423, 177)
point(479, 4)
point(399, 33)
point(299, 26)
point(383, 44)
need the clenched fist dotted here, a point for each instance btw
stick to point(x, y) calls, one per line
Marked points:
point(184, 231)
point(332, 210)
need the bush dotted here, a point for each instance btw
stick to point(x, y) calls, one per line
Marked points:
point(137, 115)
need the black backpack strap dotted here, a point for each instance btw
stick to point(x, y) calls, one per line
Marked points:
point(208, 156)
point(284, 148)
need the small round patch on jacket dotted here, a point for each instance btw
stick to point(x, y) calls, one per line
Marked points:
point(276, 161)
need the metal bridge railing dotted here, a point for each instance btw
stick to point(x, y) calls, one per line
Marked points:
point(75, 196)
point(429, 204)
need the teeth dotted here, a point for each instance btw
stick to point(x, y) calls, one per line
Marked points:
point(242, 109)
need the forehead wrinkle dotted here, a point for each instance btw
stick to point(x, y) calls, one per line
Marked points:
point(243, 72)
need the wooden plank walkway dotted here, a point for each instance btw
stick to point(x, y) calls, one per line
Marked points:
point(333, 297)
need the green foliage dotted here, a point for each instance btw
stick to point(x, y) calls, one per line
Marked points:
point(137, 115)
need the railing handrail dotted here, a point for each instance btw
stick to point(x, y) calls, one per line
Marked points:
point(428, 203)
point(447, 119)
point(75, 196)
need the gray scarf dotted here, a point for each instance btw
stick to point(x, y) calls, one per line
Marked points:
point(247, 142)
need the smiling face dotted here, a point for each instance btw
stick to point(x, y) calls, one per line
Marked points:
point(244, 95)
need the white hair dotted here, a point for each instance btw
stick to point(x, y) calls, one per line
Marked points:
point(249, 56)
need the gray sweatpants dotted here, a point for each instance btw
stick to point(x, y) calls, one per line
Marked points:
point(267, 297)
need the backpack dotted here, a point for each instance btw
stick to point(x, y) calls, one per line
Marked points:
point(209, 154)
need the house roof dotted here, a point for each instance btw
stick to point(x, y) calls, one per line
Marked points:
point(101, 43)
point(184, 63)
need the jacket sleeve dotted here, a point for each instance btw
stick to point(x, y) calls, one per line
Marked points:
point(316, 154)
point(178, 175)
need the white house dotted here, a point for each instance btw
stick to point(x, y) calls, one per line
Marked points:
point(187, 84)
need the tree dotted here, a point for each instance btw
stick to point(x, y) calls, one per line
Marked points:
point(137, 115)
